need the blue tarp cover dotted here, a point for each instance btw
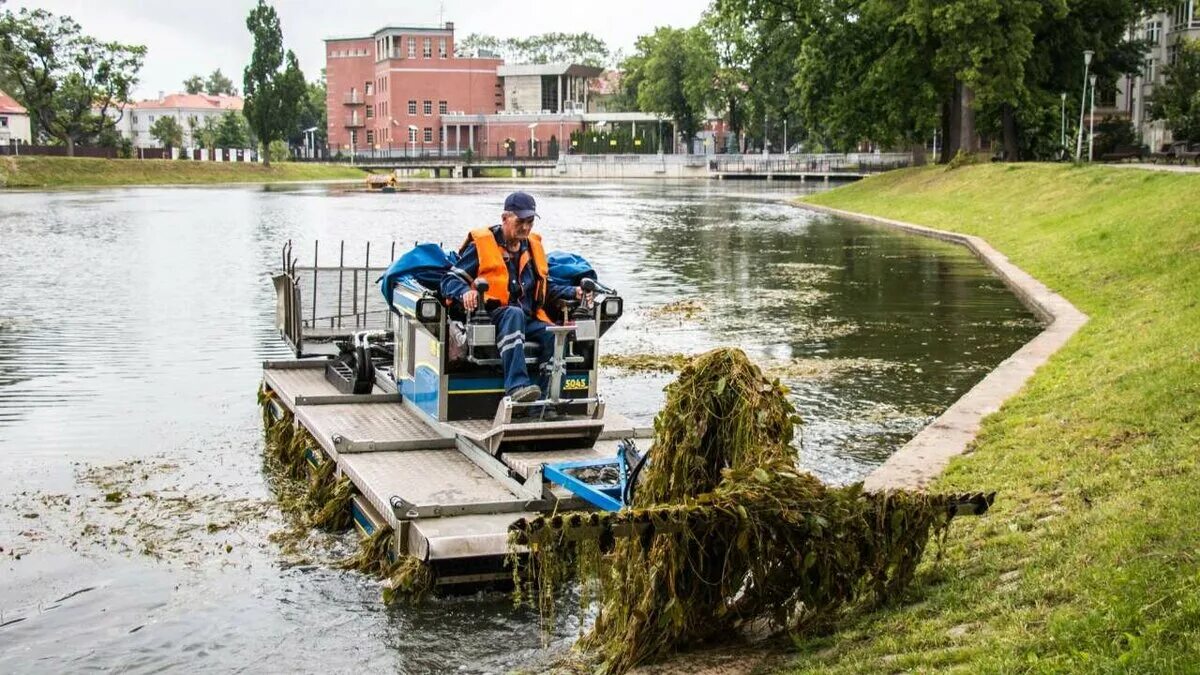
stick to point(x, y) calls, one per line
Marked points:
point(568, 268)
point(426, 263)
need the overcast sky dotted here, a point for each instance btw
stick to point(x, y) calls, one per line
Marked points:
point(195, 37)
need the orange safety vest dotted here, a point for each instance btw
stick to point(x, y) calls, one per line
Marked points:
point(493, 268)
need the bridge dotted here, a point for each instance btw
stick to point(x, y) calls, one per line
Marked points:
point(802, 167)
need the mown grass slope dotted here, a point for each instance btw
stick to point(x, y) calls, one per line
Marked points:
point(37, 172)
point(1090, 560)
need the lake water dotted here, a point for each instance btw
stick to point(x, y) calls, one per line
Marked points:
point(136, 523)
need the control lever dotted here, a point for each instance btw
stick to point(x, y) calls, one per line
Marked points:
point(481, 285)
point(590, 285)
point(590, 288)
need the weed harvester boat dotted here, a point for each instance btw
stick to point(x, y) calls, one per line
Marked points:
point(403, 392)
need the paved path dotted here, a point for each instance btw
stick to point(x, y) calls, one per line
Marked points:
point(1175, 168)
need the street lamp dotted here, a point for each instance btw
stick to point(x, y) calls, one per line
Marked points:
point(765, 141)
point(311, 137)
point(1092, 119)
point(1062, 134)
point(1087, 61)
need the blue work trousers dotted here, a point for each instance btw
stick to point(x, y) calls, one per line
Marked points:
point(513, 328)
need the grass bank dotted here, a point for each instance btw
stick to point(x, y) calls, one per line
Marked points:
point(1090, 560)
point(37, 172)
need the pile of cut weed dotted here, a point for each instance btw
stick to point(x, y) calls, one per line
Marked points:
point(724, 532)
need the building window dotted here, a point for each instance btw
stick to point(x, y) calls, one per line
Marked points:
point(441, 107)
point(442, 48)
point(368, 88)
point(1185, 16)
point(426, 47)
point(370, 137)
point(1173, 54)
point(427, 107)
point(441, 134)
point(370, 111)
point(1107, 96)
point(353, 137)
point(1150, 70)
point(152, 119)
point(1152, 32)
point(3, 121)
point(412, 135)
point(428, 134)
point(412, 47)
point(412, 107)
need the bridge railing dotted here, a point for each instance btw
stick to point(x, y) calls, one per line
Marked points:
point(851, 162)
point(429, 156)
point(810, 163)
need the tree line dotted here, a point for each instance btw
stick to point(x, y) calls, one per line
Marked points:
point(839, 73)
point(76, 87)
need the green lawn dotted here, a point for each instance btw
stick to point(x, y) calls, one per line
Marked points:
point(35, 172)
point(1090, 560)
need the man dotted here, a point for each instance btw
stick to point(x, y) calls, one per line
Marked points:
point(513, 261)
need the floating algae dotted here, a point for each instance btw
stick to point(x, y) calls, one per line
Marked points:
point(790, 369)
point(655, 363)
point(684, 310)
point(320, 499)
point(724, 531)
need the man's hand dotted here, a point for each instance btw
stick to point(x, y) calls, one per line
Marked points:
point(584, 297)
point(470, 300)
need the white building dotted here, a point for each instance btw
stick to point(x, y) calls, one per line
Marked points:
point(547, 87)
point(14, 121)
point(1164, 31)
point(189, 110)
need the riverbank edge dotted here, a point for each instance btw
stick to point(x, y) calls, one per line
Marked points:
point(1087, 562)
point(927, 454)
point(41, 173)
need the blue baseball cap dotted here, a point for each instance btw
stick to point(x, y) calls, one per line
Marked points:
point(522, 204)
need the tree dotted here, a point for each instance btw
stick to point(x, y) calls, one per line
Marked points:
point(312, 114)
point(217, 84)
point(583, 48)
point(731, 79)
point(1177, 100)
point(476, 43)
point(675, 70)
point(206, 135)
point(273, 91)
point(194, 84)
point(166, 130)
point(232, 131)
point(68, 81)
point(891, 72)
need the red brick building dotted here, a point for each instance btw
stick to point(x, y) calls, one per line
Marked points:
point(403, 91)
point(390, 89)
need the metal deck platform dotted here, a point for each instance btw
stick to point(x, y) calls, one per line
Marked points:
point(450, 500)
